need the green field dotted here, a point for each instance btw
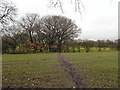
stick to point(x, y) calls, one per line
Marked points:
point(98, 70)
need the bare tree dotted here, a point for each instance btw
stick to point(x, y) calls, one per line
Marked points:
point(7, 12)
point(28, 24)
point(87, 44)
point(58, 30)
point(110, 44)
point(10, 37)
point(100, 44)
point(73, 45)
point(79, 44)
point(118, 44)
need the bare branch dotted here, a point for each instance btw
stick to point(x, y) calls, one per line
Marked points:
point(77, 4)
point(57, 3)
point(7, 12)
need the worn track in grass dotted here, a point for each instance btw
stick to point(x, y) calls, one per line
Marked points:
point(77, 80)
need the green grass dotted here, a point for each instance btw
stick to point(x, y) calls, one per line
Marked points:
point(99, 70)
point(34, 70)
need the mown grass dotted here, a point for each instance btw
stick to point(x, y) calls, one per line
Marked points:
point(33, 71)
point(98, 70)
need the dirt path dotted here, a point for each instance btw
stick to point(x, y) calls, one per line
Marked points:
point(71, 71)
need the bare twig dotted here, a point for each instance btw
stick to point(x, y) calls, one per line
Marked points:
point(7, 12)
point(56, 3)
point(77, 4)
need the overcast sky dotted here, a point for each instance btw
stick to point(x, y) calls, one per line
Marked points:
point(99, 20)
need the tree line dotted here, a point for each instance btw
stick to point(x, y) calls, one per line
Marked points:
point(32, 34)
point(35, 34)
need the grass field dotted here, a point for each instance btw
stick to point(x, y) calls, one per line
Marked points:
point(97, 69)
point(33, 70)
point(44, 71)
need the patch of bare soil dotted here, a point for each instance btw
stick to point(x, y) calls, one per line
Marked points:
point(68, 67)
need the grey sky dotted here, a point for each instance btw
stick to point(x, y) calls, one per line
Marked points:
point(99, 20)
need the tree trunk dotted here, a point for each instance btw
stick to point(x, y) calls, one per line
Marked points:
point(30, 36)
point(86, 49)
point(99, 49)
point(67, 48)
point(59, 48)
point(73, 49)
point(49, 48)
point(78, 48)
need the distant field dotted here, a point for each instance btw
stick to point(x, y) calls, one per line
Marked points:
point(93, 49)
point(45, 71)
